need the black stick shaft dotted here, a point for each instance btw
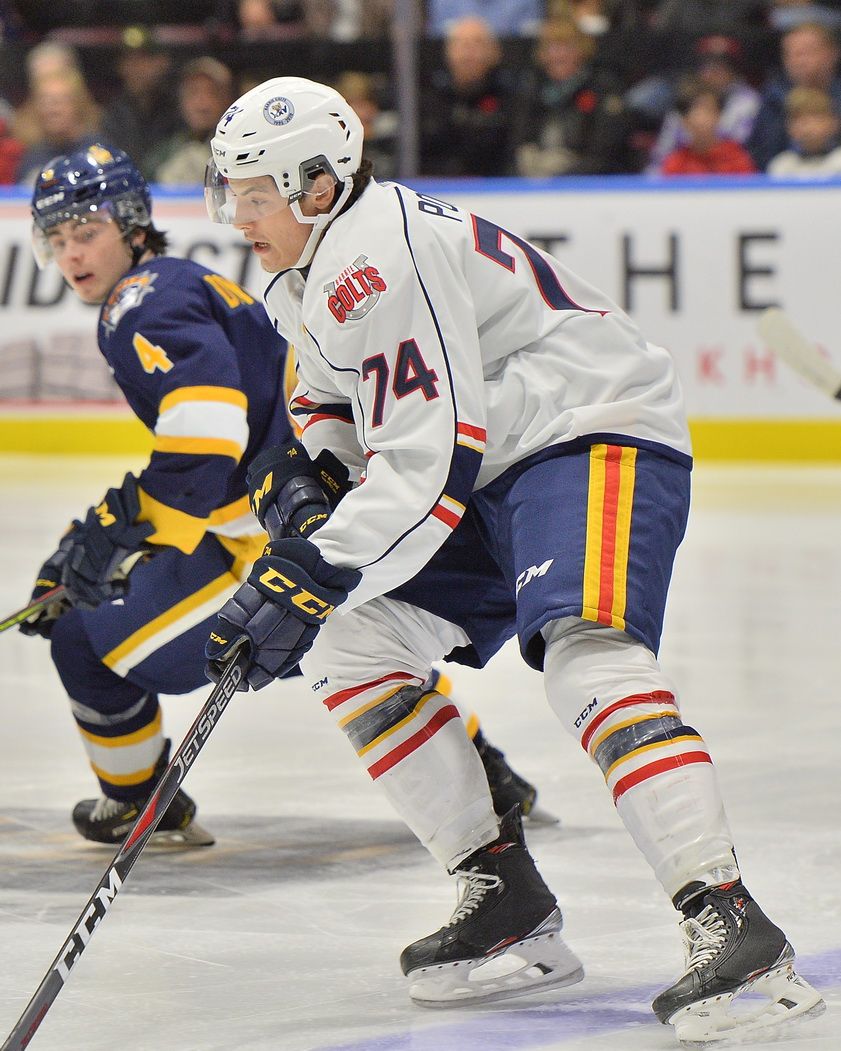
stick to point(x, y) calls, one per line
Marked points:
point(125, 858)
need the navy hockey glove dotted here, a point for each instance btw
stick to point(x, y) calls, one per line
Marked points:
point(49, 577)
point(291, 494)
point(109, 535)
point(289, 593)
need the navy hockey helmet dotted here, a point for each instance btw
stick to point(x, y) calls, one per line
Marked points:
point(94, 182)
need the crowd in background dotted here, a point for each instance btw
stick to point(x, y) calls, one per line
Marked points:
point(519, 87)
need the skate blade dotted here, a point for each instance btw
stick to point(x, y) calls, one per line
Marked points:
point(543, 961)
point(789, 1000)
point(191, 836)
point(538, 815)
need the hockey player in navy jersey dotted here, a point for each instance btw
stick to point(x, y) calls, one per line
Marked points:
point(524, 462)
point(201, 365)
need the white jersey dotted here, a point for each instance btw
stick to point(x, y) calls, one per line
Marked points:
point(434, 351)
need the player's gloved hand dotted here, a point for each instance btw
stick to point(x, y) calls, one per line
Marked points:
point(106, 539)
point(49, 577)
point(289, 593)
point(291, 494)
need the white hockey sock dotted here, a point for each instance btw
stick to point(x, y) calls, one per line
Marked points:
point(370, 668)
point(610, 692)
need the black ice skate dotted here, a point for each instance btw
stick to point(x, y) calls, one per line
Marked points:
point(503, 939)
point(507, 787)
point(732, 948)
point(106, 820)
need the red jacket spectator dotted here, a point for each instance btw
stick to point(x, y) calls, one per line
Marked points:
point(724, 157)
point(699, 106)
point(11, 151)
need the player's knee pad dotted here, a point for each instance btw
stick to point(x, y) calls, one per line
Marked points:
point(377, 640)
point(588, 667)
point(89, 683)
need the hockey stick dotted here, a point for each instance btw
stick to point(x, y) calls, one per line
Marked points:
point(122, 573)
point(33, 607)
point(123, 862)
point(798, 352)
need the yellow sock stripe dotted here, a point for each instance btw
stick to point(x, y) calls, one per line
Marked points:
point(370, 704)
point(143, 734)
point(227, 395)
point(594, 744)
point(136, 778)
point(651, 747)
point(167, 443)
point(403, 722)
point(168, 617)
point(593, 544)
point(444, 684)
point(472, 725)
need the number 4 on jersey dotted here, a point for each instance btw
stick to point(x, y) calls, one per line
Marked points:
point(151, 356)
point(411, 373)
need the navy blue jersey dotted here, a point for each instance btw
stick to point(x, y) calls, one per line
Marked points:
point(201, 365)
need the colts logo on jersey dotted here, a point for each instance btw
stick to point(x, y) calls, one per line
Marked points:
point(355, 291)
point(126, 295)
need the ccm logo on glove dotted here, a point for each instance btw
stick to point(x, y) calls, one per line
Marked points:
point(303, 599)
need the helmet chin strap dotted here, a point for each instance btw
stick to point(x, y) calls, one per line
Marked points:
point(319, 223)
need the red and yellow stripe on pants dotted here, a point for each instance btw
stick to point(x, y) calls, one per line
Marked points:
point(609, 509)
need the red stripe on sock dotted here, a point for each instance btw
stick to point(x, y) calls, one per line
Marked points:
point(392, 758)
point(673, 762)
point(656, 697)
point(335, 699)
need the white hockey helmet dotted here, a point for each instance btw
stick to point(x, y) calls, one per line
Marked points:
point(290, 129)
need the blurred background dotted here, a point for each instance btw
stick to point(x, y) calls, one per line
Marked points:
point(682, 154)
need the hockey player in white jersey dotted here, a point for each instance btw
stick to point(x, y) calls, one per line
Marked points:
point(524, 464)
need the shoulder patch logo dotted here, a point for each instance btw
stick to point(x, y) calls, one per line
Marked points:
point(278, 111)
point(126, 295)
point(355, 291)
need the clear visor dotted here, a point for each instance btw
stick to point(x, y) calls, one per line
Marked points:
point(53, 235)
point(244, 200)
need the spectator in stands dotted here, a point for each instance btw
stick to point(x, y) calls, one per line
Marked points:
point(705, 152)
point(465, 112)
point(379, 125)
point(813, 128)
point(572, 114)
point(11, 149)
point(51, 58)
point(810, 60)
point(263, 18)
point(506, 18)
point(784, 14)
point(62, 118)
point(205, 92)
point(145, 112)
point(718, 59)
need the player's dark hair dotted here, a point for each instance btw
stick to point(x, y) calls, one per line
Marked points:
point(361, 177)
point(157, 242)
